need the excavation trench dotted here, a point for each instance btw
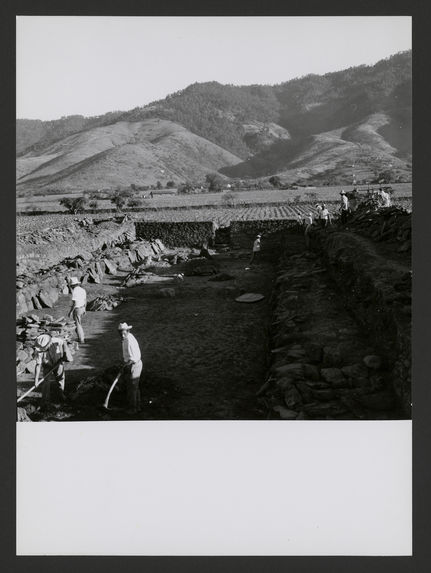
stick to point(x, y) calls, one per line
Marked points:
point(297, 354)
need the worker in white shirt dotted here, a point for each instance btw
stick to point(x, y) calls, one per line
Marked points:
point(256, 248)
point(79, 305)
point(344, 207)
point(308, 221)
point(132, 367)
point(319, 210)
point(326, 217)
point(385, 198)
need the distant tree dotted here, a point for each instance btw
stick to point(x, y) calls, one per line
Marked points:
point(228, 199)
point(158, 185)
point(74, 206)
point(120, 197)
point(275, 181)
point(386, 176)
point(133, 186)
point(170, 184)
point(297, 199)
point(186, 188)
point(135, 202)
point(214, 181)
point(93, 204)
point(312, 197)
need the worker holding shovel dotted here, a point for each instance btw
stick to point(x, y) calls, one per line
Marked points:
point(50, 354)
point(132, 367)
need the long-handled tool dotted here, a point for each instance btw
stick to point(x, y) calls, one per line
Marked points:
point(39, 382)
point(106, 402)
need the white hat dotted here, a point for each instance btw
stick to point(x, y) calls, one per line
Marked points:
point(74, 281)
point(124, 326)
point(43, 341)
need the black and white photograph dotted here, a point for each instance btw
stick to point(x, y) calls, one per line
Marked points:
point(213, 230)
point(213, 285)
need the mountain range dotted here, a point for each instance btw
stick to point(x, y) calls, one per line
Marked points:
point(314, 129)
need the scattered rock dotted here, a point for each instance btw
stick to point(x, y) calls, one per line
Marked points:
point(294, 371)
point(333, 376)
point(373, 361)
point(292, 397)
point(285, 414)
point(22, 415)
point(45, 299)
point(296, 352)
point(355, 371)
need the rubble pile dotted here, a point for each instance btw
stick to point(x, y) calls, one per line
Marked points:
point(107, 302)
point(28, 328)
point(42, 289)
point(201, 266)
point(386, 224)
point(92, 391)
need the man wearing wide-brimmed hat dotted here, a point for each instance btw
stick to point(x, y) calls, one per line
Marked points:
point(50, 353)
point(132, 367)
point(79, 305)
point(256, 249)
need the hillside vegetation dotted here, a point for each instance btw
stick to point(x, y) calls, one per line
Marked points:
point(314, 128)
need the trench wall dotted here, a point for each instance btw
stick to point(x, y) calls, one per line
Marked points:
point(177, 234)
point(378, 293)
point(243, 233)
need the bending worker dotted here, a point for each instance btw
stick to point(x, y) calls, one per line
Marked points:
point(50, 353)
point(132, 367)
point(79, 305)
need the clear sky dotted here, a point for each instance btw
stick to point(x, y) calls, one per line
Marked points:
point(92, 65)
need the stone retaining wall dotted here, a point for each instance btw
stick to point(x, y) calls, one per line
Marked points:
point(243, 233)
point(177, 234)
point(378, 292)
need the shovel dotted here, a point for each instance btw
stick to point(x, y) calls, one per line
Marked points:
point(39, 382)
point(106, 402)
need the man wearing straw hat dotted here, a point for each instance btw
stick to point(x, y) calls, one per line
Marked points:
point(79, 305)
point(50, 353)
point(132, 367)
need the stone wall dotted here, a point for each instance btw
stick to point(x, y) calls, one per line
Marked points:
point(177, 234)
point(378, 292)
point(243, 233)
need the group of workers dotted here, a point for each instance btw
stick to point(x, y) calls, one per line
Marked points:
point(52, 352)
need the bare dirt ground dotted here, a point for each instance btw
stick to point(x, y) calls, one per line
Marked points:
point(204, 355)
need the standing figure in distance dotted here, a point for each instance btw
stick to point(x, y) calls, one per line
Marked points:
point(132, 367)
point(78, 308)
point(344, 207)
point(256, 249)
point(308, 220)
point(326, 217)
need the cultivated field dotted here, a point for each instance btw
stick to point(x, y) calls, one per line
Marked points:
point(169, 200)
point(221, 215)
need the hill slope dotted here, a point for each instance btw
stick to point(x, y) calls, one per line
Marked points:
point(140, 152)
point(311, 127)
